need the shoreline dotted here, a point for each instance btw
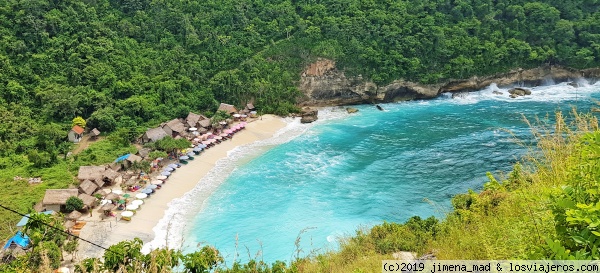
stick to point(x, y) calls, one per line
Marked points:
point(111, 231)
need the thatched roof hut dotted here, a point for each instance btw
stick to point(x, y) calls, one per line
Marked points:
point(88, 187)
point(192, 119)
point(90, 173)
point(205, 123)
point(228, 108)
point(174, 127)
point(250, 107)
point(56, 199)
point(133, 158)
point(74, 215)
point(144, 152)
point(154, 134)
point(111, 176)
point(88, 200)
point(95, 132)
point(111, 196)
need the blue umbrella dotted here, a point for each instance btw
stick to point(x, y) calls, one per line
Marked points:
point(190, 154)
point(151, 187)
point(146, 191)
point(173, 165)
point(185, 157)
point(201, 146)
point(168, 169)
point(166, 173)
point(198, 149)
point(121, 158)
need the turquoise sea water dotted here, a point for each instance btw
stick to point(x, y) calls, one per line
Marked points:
point(349, 171)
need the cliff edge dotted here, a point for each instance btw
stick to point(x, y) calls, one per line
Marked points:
point(322, 84)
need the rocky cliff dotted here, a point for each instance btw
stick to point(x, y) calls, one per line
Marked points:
point(324, 85)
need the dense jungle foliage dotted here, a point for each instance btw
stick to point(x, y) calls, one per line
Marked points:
point(125, 65)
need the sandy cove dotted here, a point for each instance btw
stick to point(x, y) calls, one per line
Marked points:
point(111, 231)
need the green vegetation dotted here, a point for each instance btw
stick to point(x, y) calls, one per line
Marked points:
point(545, 208)
point(123, 66)
point(74, 203)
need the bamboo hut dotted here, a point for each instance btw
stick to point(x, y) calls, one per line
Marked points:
point(91, 173)
point(87, 187)
point(88, 200)
point(57, 199)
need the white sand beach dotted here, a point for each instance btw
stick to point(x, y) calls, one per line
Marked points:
point(111, 231)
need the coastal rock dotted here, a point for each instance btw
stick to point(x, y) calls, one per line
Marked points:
point(309, 115)
point(322, 84)
point(497, 92)
point(351, 110)
point(574, 84)
point(459, 95)
point(518, 91)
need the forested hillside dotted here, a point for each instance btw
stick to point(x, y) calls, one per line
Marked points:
point(125, 65)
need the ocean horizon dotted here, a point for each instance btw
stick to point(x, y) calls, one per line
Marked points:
point(299, 192)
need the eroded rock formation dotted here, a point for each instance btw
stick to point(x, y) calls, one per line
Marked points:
point(324, 85)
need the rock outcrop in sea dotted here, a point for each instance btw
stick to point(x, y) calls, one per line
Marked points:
point(324, 85)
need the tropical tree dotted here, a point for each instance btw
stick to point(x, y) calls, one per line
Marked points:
point(204, 260)
point(124, 255)
point(74, 203)
point(79, 121)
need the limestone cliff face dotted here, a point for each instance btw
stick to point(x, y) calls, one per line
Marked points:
point(324, 85)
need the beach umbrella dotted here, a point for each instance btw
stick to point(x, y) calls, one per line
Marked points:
point(141, 195)
point(117, 191)
point(190, 154)
point(228, 131)
point(223, 135)
point(121, 201)
point(185, 157)
point(146, 191)
point(218, 137)
point(165, 173)
point(206, 142)
point(161, 177)
point(127, 195)
point(173, 165)
point(212, 140)
point(127, 213)
point(151, 186)
point(137, 202)
point(198, 149)
point(156, 182)
point(168, 169)
point(244, 116)
point(236, 115)
point(192, 129)
point(132, 207)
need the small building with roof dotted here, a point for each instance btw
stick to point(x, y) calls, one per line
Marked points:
point(88, 187)
point(88, 200)
point(94, 133)
point(19, 240)
point(75, 134)
point(57, 199)
point(174, 127)
point(92, 173)
point(154, 134)
point(193, 118)
point(228, 108)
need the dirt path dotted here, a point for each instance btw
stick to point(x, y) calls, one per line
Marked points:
point(84, 143)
